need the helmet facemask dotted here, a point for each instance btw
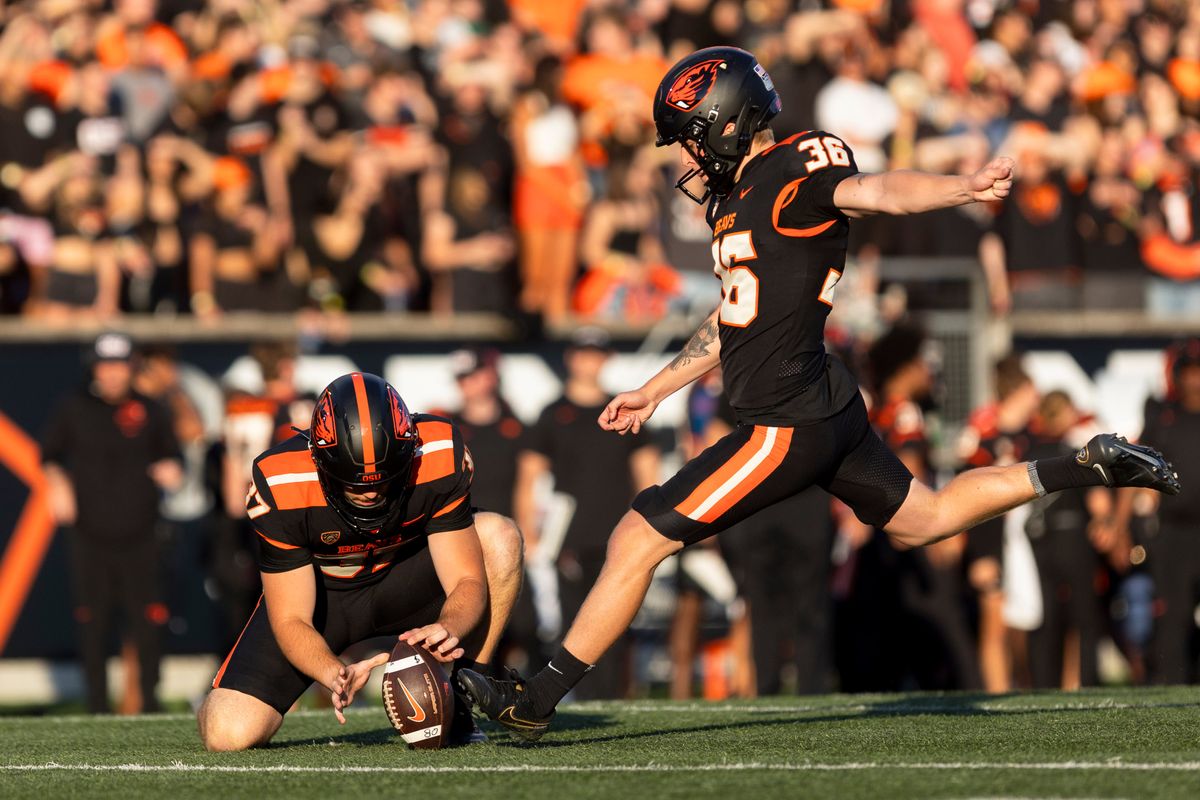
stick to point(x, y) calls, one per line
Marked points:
point(363, 440)
point(366, 519)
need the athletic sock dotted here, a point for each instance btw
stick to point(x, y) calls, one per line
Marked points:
point(1061, 472)
point(551, 685)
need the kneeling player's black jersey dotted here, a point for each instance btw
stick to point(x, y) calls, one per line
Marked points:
point(779, 247)
point(296, 526)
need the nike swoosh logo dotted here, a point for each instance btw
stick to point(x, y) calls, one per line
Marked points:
point(742, 194)
point(507, 716)
point(1103, 475)
point(420, 715)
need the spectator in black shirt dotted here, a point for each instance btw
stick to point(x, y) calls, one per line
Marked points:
point(1062, 650)
point(494, 437)
point(1174, 553)
point(599, 472)
point(1036, 238)
point(108, 452)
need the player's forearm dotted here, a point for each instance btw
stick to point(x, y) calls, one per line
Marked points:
point(901, 192)
point(464, 607)
point(307, 650)
point(701, 354)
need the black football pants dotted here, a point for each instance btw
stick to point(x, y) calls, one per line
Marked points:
point(106, 577)
point(1175, 565)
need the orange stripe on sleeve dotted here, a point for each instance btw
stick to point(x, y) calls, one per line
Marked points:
point(451, 507)
point(365, 431)
point(437, 459)
point(724, 472)
point(283, 463)
point(280, 545)
point(306, 494)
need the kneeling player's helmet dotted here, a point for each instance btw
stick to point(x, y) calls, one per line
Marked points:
point(363, 439)
point(697, 100)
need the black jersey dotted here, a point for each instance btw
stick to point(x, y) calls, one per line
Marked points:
point(779, 247)
point(296, 526)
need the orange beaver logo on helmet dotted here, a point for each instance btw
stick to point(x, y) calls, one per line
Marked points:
point(693, 85)
point(324, 431)
point(400, 418)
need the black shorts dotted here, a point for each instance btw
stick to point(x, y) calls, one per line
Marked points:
point(409, 596)
point(758, 465)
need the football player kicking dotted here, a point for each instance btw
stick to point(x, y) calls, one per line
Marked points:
point(780, 214)
point(365, 528)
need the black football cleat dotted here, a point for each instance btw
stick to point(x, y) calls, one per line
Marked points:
point(503, 701)
point(463, 730)
point(1119, 463)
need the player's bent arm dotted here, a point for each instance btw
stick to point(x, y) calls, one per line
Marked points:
point(458, 561)
point(628, 411)
point(902, 191)
point(700, 355)
point(290, 598)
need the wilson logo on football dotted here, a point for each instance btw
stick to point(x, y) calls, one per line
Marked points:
point(693, 85)
point(324, 430)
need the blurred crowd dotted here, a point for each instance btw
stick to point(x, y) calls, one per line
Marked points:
point(1076, 589)
point(209, 156)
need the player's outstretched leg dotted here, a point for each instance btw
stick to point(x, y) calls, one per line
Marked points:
point(526, 708)
point(980, 494)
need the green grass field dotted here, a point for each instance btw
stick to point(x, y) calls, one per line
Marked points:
point(1107, 743)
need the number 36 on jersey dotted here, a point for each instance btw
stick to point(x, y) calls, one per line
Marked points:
point(739, 284)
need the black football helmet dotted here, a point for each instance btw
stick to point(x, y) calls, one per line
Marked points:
point(696, 101)
point(363, 439)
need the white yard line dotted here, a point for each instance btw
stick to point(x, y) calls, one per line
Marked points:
point(177, 766)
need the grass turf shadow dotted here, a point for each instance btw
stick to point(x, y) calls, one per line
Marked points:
point(563, 722)
point(965, 704)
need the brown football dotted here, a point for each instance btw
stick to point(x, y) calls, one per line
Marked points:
point(417, 697)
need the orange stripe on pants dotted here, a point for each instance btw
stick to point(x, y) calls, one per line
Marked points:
point(726, 471)
point(783, 439)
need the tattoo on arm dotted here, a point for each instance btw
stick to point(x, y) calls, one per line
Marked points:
point(697, 346)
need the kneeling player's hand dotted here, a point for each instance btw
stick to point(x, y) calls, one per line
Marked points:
point(441, 643)
point(349, 680)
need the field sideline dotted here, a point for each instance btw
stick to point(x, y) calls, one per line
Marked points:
point(1141, 743)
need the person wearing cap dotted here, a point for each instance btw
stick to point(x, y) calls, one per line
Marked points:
point(495, 437)
point(599, 472)
point(108, 453)
point(920, 588)
point(1174, 550)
